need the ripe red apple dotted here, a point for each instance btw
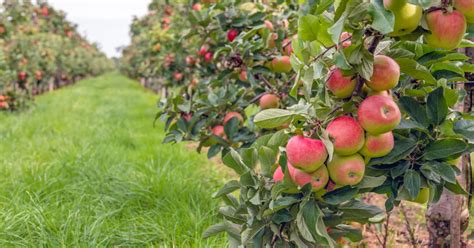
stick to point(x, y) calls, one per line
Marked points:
point(377, 145)
point(232, 34)
point(281, 64)
point(447, 29)
point(339, 85)
point(178, 76)
point(386, 74)
point(288, 49)
point(218, 131)
point(344, 36)
point(38, 75)
point(278, 175)
point(305, 153)
point(187, 116)
point(231, 115)
point(347, 170)
point(166, 20)
point(243, 76)
point(269, 25)
point(45, 11)
point(466, 7)
point(22, 76)
point(3, 105)
point(378, 114)
point(318, 178)
point(268, 101)
point(347, 135)
point(3, 98)
point(202, 51)
point(208, 56)
point(197, 7)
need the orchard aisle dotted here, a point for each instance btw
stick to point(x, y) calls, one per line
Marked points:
point(86, 167)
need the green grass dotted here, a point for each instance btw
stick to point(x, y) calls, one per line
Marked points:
point(86, 168)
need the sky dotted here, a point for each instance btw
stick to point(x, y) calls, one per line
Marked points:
point(106, 22)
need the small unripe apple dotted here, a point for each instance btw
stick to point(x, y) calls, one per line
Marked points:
point(344, 36)
point(466, 7)
point(378, 114)
point(386, 74)
point(305, 153)
point(190, 60)
point(423, 196)
point(340, 86)
point(269, 25)
point(157, 48)
point(271, 42)
point(197, 7)
point(348, 170)
point(377, 145)
point(231, 115)
point(318, 179)
point(178, 76)
point(347, 135)
point(447, 29)
point(407, 19)
point(38, 75)
point(218, 131)
point(243, 76)
point(281, 64)
point(232, 34)
point(268, 101)
point(288, 49)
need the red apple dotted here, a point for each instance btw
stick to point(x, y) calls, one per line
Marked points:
point(268, 101)
point(208, 56)
point(178, 76)
point(218, 131)
point(197, 7)
point(378, 145)
point(347, 170)
point(231, 115)
point(190, 60)
point(466, 7)
point(38, 75)
point(269, 25)
point(339, 85)
point(386, 74)
point(232, 34)
point(243, 76)
point(45, 11)
point(281, 64)
point(447, 29)
point(378, 114)
point(22, 76)
point(202, 51)
point(347, 135)
point(318, 178)
point(305, 153)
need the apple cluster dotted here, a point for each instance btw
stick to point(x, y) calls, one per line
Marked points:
point(355, 139)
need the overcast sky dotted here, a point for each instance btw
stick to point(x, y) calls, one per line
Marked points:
point(103, 21)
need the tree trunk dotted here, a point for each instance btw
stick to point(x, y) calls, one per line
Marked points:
point(449, 218)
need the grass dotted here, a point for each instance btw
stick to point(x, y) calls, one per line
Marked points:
point(86, 168)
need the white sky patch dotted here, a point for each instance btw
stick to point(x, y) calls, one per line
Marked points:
point(106, 22)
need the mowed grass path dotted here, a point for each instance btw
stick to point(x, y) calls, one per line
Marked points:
point(86, 168)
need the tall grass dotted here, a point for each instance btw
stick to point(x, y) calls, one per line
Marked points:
point(86, 168)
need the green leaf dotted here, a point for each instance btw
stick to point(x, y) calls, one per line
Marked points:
point(228, 188)
point(414, 109)
point(313, 218)
point(465, 128)
point(314, 28)
point(231, 229)
point(359, 209)
point(422, 3)
point(437, 106)
point(455, 188)
point(272, 118)
point(444, 148)
point(234, 161)
point(336, 30)
point(403, 148)
point(445, 171)
point(340, 195)
point(412, 183)
point(371, 182)
point(282, 202)
point(415, 70)
point(383, 20)
point(267, 158)
point(231, 127)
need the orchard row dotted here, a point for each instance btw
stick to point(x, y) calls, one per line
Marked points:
point(313, 104)
point(40, 50)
